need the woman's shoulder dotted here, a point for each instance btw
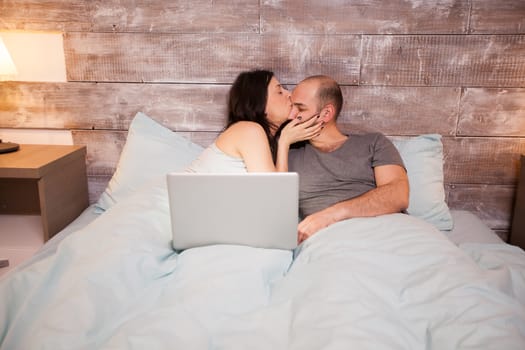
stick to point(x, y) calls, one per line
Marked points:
point(246, 128)
point(246, 125)
point(240, 135)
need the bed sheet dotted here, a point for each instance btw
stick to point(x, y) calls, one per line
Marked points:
point(391, 282)
point(468, 228)
point(88, 215)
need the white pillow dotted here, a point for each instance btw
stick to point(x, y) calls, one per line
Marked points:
point(423, 158)
point(151, 150)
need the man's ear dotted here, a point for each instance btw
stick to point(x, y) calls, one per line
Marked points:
point(327, 113)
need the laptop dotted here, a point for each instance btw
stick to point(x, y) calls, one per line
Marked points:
point(253, 209)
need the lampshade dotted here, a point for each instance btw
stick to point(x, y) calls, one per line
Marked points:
point(7, 66)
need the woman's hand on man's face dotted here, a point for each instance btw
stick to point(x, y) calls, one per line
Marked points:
point(298, 130)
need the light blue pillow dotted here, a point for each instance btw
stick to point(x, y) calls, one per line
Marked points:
point(423, 158)
point(151, 150)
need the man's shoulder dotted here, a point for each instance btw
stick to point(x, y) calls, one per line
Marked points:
point(367, 135)
point(369, 138)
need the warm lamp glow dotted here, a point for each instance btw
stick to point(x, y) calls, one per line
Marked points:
point(7, 66)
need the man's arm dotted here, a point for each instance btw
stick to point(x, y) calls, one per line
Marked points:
point(390, 196)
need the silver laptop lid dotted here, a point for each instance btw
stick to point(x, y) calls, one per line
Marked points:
point(254, 209)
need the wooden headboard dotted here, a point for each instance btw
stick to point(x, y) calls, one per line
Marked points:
point(453, 67)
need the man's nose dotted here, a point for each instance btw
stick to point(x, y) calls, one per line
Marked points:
point(293, 113)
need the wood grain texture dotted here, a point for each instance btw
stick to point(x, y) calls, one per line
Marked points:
point(184, 58)
point(103, 150)
point(400, 110)
point(202, 107)
point(97, 185)
point(492, 112)
point(492, 203)
point(47, 15)
point(111, 106)
point(474, 160)
point(497, 17)
point(294, 16)
point(365, 17)
point(444, 60)
point(211, 58)
point(175, 16)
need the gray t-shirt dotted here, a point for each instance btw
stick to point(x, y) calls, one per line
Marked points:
point(326, 178)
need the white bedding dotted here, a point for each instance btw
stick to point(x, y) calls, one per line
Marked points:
point(468, 228)
point(391, 282)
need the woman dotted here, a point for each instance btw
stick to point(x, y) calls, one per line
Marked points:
point(257, 107)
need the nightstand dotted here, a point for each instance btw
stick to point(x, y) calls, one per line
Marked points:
point(517, 233)
point(45, 180)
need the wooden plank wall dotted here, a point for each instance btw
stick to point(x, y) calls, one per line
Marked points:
point(407, 67)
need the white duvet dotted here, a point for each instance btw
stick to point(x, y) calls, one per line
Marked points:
point(391, 282)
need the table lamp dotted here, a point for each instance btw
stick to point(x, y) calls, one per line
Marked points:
point(7, 68)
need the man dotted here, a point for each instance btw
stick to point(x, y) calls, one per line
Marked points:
point(342, 176)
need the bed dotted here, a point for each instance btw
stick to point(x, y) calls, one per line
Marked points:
point(432, 279)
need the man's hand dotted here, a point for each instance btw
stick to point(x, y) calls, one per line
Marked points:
point(313, 223)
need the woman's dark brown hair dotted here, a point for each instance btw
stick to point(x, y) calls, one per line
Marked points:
point(247, 101)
